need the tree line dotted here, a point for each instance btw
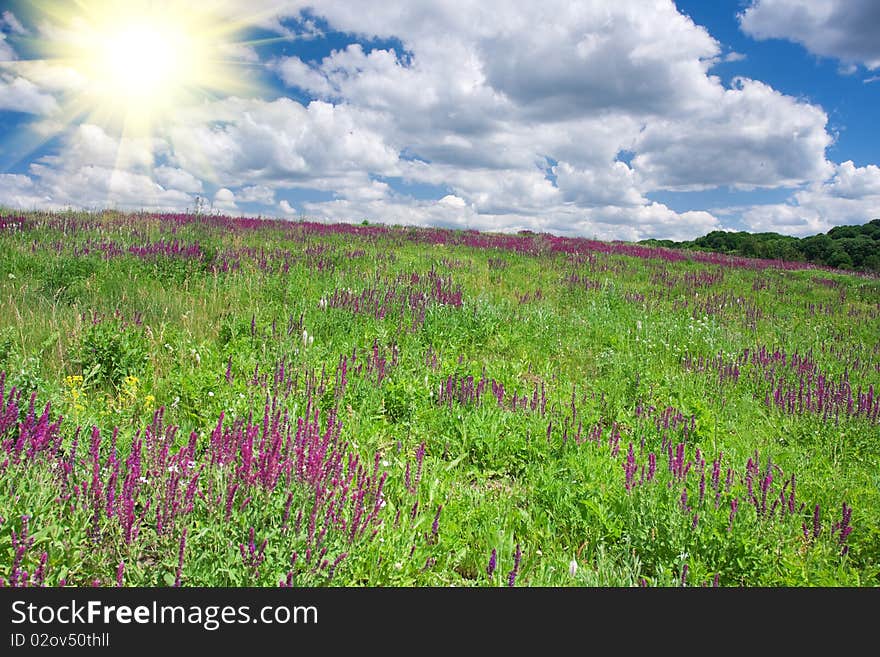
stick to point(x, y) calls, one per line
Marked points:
point(844, 247)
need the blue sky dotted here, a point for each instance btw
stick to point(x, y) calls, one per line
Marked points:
point(616, 120)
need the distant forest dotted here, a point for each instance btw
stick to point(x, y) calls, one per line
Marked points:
point(844, 247)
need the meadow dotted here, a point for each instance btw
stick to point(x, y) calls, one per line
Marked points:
point(195, 400)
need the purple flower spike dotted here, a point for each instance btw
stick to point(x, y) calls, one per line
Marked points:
point(435, 527)
point(511, 576)
point(493, 560)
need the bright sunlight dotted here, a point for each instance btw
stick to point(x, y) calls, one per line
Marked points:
point(140, 61)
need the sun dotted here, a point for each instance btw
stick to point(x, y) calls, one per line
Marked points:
point(140, 61)
point(137, 61)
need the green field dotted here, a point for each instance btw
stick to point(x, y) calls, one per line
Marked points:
point(208, 401)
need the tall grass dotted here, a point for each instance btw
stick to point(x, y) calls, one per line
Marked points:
point(192, 400)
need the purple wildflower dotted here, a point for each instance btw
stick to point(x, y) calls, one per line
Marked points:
point(511, 576)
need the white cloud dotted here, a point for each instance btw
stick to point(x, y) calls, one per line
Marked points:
point(452, 211)
point(90, 145)
point(176, 178)
point(854, 182)
point(486, 90)
point(257, 194)
point(224, 201)
point(843, 29)
point(261, 142)
point(750, 136)
point(47, 75)
point(287, 209)
point(296, 73)
point(19, 192)
point(612, 185)
point(94, 187)
point(850, 196)
point(94, 170)
point(239, 51)
point(18, 94)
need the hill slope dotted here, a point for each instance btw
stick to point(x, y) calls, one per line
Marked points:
point(217, 401)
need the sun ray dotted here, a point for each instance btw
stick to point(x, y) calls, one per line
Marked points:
point(140, 61)
point(131, 67)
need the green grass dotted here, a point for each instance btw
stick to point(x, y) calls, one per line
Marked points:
point(247, 338)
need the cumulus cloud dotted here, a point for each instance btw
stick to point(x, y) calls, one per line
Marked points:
point(18, 94)
point(260, 142)
point(612, 185)
point(751, 136)
point(51, 77)
point(257, 194)
point(843, 29)
point(94, 187)
point(224, 201)
point(481, 101)
point(90, 145)
point(850, 196)
point(94, 170)
point(177, 178)
point(19, 191)
point(287, 209)
point(452, 211)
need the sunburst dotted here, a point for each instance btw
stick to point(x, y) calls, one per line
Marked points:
point(138, 62)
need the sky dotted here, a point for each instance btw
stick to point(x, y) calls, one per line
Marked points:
point(615, 120)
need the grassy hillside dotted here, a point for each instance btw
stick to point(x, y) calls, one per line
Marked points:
point(191, 400)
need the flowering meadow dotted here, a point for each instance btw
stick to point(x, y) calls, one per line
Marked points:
point(192, 400)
